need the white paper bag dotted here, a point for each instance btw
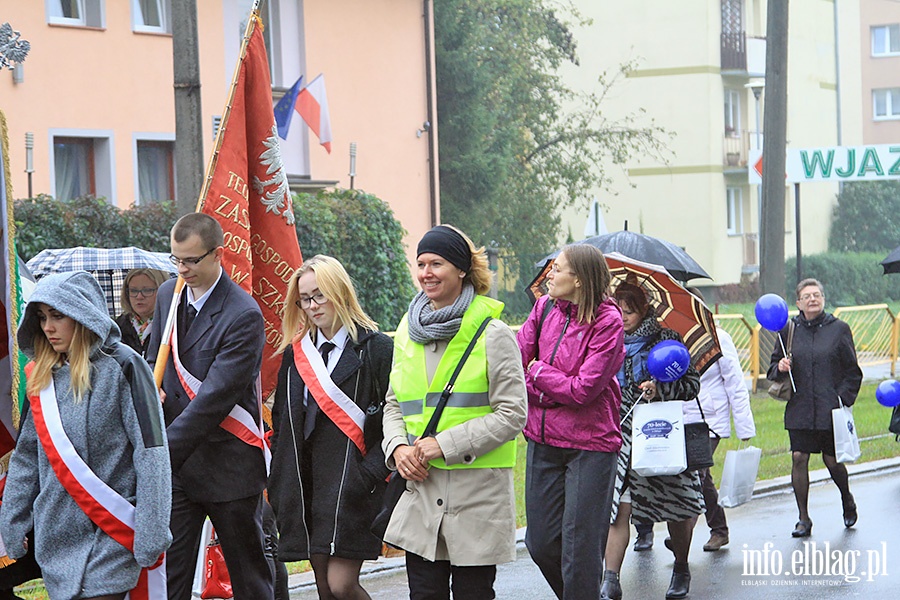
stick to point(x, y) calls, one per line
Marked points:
point(846, 440)
point(657, 439)
point(739, 476)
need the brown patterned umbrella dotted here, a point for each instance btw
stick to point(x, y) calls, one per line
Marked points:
point(676, 308)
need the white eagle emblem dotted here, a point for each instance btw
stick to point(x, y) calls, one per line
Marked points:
point(278, 199)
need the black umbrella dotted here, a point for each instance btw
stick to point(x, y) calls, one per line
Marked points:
point(647, 249)
point(891, 264)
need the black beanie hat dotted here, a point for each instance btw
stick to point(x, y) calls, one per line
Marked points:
point(449, 244)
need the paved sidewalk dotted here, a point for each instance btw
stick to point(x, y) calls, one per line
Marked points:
point(779, 485)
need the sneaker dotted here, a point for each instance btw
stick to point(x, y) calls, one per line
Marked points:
point(716, 541)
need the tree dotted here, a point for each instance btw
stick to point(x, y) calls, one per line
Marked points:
point(866, 218)
point(517, 144)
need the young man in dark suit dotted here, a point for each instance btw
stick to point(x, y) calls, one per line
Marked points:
point(219, 340)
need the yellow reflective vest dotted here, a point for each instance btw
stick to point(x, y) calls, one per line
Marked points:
point(469, 400)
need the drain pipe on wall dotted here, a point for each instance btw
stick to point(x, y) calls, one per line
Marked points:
point(431, 123)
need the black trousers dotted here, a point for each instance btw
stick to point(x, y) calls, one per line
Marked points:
point(238, 525)
point(715, 514)
point(434, 580)
point(568, 502)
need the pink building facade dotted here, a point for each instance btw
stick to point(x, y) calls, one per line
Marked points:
point(96, 95)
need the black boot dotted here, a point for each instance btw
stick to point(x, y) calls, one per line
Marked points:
point(681, 581)
point(643, 541)
point(611, 589)
point(850, 514)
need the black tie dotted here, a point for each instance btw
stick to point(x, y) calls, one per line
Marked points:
point(190, 313)
point(311, 406)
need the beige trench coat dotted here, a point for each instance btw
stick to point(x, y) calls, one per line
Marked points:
point(466, 516)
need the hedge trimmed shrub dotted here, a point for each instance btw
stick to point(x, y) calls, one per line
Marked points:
point(849, 279)
point(43, 222)
point(356, 228)
point(359, 230)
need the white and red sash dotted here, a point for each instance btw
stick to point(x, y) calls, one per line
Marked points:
point(332, 401)
point(239, 421)
point(103, 505)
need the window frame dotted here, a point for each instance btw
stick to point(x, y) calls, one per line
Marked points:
point(103, 172)
point(153, 139)
point(732, 112)
point(876, 52)
point(892, 111)
point(165, 12)
point(734, 210)
point(92, 14)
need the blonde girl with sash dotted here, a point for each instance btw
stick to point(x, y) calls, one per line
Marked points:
point(328, 474)
point(90, 472)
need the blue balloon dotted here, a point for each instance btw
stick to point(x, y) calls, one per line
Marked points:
point(668, 360)
point(888, 393)
point(772, 312)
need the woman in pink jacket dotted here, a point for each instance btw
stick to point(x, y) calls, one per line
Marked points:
point(572, 348)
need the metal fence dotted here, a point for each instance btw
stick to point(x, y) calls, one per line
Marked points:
point(875, 334)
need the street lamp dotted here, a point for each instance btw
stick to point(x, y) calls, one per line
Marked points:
point(756, 86)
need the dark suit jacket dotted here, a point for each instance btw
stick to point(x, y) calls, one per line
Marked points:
point(224, 350)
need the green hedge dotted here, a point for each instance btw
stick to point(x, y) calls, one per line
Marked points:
point(43, 222)
point(849, 279)
point(357, 228)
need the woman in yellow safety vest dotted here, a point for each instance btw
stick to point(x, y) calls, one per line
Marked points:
point(456, 519)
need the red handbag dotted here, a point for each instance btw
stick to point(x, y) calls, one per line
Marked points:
point(218, 582)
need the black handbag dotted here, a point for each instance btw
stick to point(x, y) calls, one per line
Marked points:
point(783, 389)
point(696, 444)
point(895, 423)
point(396, 484)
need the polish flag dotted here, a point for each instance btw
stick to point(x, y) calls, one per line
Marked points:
point(312, 104)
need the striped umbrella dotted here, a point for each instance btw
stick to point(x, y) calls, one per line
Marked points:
point(676, 308)
point(109, 266)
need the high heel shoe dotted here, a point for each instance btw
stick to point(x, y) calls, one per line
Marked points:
point(802, 529)
point(611, 589)
point(680, 585)
point(850, 514)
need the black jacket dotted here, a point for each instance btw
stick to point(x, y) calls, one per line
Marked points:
point(327, 502)
point(130, 337)
point(824, 367)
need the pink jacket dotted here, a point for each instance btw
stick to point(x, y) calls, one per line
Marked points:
point(573, 394)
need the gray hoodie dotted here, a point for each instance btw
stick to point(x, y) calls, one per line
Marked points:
point(117, 430)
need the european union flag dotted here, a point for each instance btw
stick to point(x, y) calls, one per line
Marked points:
point(285, 109)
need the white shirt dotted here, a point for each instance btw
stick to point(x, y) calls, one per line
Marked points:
point(340, 339)
point(199, 302)
point(723, 395)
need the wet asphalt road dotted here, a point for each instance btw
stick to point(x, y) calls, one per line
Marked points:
point(762, 562)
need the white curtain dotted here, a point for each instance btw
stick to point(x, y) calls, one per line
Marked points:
point(72, 160)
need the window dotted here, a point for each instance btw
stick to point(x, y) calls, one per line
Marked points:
point(267, 16)
point(732, 113)
point(734, 210)
point(152, 16)
point(886, 103)
point(73, 160)
point(156, 181)
point(886, 40)
point(81, 13)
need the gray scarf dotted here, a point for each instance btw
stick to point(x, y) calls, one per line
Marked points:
point(428, 325)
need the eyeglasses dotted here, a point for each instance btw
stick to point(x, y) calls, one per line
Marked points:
point(145, 292)
point(191, 262)
point(556, 270)
point(814, 295)
point(319, 299)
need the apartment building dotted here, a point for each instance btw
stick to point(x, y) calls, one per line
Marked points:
point(700, 74)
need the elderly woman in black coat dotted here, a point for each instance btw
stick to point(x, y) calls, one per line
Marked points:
point(328, 473)
point(823, 364)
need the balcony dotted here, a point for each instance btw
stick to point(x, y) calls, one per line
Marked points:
point(735, 149)
point(742, 54)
